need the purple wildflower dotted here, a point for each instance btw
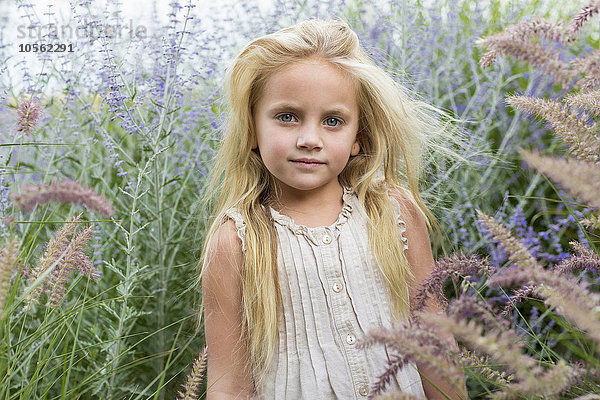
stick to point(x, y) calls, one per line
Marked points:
point(65, 192)
point(28, 114)
point(66, 250)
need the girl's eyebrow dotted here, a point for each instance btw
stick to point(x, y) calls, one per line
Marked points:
point(336, 109)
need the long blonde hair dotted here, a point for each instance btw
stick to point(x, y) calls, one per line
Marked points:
point(392, 134)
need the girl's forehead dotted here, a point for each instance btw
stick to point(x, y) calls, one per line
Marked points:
point(311, 69)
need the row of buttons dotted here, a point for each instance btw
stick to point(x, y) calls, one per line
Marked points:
point(337, 287)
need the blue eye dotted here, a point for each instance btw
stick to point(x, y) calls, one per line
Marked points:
point(287, 117)
point(333, 122)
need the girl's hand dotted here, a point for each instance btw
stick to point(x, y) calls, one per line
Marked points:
point(229, 374)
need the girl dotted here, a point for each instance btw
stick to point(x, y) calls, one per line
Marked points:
point(311, 248)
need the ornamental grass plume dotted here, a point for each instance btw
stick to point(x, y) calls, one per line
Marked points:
point(452, 267)
point(28, 115)
point(194, 379)
point(482, 365)
point(505, 347)
point(413, 343)
point(522, 41)
point(516, 40)
point(569, 297)
point(9, 258)
point(580, 19)
point(573, 129)
point(66, 191)
point(517, 251)
point(65, 253)
point(588, 101)
point(584, 259)
point(580, 178)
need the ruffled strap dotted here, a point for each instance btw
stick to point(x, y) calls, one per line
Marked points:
point(240, 225)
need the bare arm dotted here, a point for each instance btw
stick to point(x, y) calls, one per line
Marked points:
point(228, 375)
point(420, 258)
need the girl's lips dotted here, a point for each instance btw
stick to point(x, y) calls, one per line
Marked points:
point(307, 164)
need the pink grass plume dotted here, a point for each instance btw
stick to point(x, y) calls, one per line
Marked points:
point(28, 115)
point(194, 379)
point(66, 250)
point(66, 191)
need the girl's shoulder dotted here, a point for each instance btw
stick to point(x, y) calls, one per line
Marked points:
point(408, 205)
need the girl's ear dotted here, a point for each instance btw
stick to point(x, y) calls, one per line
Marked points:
point(356, 145)
point(355, 148)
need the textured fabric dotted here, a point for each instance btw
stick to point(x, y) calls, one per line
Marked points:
point(332, 294)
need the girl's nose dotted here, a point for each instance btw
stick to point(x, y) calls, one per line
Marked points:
point(309, 136)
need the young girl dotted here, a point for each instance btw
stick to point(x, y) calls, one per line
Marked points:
point(311, 248)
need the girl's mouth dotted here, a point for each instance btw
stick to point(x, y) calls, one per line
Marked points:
point(307, 164)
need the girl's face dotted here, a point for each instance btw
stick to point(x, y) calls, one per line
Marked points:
point(308, 110)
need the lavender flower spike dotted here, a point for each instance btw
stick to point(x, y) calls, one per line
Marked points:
point(194, 379)
point(8, 264)
point(65, 192)
point(28, 114)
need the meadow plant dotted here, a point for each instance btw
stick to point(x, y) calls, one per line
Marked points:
point(538, 367)
point(9, 256)
point(63, 192)
point(64, 254)
point(28, 114)
point(194, 379)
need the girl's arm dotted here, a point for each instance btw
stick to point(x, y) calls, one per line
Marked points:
point(420, 258)
point(228, 375)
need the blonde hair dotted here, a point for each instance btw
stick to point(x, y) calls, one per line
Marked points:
point(392, 135)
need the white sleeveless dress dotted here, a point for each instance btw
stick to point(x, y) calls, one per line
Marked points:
point(332, 295)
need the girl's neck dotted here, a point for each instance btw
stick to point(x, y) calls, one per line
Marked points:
point(312, 207)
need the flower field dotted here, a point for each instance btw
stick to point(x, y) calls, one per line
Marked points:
point(108, 129)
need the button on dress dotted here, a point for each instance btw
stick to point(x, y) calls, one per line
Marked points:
point(332, 295)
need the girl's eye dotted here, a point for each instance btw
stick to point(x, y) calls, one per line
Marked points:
point(333, 122)
point(287, 117)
